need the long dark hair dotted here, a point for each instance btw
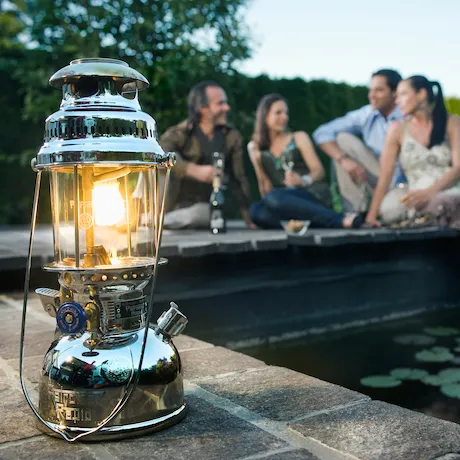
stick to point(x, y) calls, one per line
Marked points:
point(260, 135)
point(436, 101)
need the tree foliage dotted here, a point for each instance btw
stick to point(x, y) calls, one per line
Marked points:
point(453, 105)
point(145, 32)
point(11, 26)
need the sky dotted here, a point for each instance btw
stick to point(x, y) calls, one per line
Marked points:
point(347, 40)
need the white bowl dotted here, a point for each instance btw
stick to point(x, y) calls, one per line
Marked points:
point(301, 231)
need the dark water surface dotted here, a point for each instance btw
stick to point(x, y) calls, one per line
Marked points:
point(346, 357)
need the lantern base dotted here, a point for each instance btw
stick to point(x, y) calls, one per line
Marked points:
point(121, 431)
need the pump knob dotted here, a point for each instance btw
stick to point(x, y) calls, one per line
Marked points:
point(172, 322)
point(71, 318)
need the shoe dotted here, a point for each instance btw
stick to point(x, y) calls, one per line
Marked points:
point(356, 218)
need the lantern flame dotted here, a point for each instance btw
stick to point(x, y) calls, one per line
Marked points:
point(108, 204)
point(114, 257)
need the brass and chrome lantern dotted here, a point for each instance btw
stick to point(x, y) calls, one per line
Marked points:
point(107, 374)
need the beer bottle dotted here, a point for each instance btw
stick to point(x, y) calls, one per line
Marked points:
point(217, 222)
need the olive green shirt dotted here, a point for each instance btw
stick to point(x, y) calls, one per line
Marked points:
point(183, 139)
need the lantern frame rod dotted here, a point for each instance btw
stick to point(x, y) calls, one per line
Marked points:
point(76, 194)
point(145, 176)
point(153, 210)
point(128, 220)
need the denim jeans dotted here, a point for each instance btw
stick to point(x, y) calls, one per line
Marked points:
point(293, 203)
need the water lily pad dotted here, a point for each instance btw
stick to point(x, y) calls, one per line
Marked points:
point(452, 373)
point(446, 376)
point(441, 331)
point(414, 339)
point(404, 373)
point(434, 380)
point(434, 355)
point(380, 381)
point(452, 390)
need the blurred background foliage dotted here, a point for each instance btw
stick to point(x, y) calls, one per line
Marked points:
point(173, 43)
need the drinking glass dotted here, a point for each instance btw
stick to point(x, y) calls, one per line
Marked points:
point(287, 160)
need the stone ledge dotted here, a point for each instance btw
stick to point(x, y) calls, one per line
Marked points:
point(330, 238)
point(199, 243)
point(296, 395)
point(239, 408)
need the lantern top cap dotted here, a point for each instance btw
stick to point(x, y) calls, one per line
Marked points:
point(97, 68)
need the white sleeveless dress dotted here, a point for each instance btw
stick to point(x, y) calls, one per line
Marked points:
point(422, 167)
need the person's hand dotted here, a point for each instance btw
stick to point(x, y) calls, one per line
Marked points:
point(371, 221)
point(417, 198)
point(247, 219)
point(292, 179)
point(202, 173)
point(355, 171)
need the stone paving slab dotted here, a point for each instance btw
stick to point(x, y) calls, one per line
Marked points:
point(51, 449)
point(214, 361)
point(17, 420)
point(296, 395)
point(32, 367)
point(383, 431)
point(300, 454)
point(185, 343)
point(340, 237)
point(36, 344)
point(197, 248)
point(206, 433)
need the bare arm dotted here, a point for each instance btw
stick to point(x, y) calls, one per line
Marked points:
point(390, 153)
point(263, 181)
point(453, 175)
point(309, 155)
point(332, 150)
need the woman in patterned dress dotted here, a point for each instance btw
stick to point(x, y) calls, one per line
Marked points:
point(427, 142)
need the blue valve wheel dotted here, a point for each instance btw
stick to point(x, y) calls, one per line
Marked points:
point(71, 318)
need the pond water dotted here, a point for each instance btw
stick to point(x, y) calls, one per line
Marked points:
point(412, 362)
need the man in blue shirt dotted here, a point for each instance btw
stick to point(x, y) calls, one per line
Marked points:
point(356, 162)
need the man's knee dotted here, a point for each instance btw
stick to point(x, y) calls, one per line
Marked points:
point(199, 215)
point(195, 216)
point(346, 141)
